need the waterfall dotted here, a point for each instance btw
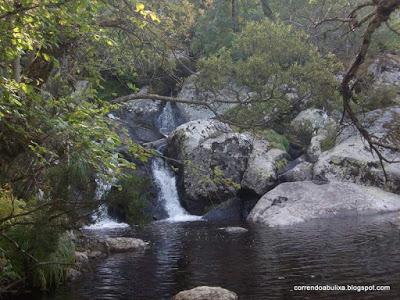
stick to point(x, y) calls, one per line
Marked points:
point(166, 120)
point(102, 220)
point(163, 175)
point(168, 194)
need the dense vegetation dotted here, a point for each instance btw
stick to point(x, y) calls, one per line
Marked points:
point(63, 61)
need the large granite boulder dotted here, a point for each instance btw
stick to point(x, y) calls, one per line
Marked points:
point(296, 202)
point(215, 162)
point(214, 159)
point(263, 167)
point(351, 160)
point(206, 293)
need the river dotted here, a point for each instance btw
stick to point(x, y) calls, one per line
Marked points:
point(264, 263)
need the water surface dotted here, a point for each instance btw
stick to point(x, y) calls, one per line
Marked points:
point(264, 263)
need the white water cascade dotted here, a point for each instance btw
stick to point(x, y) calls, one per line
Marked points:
point(166, 120)
point(165, 178)
point(102, 220)
point(168, 194)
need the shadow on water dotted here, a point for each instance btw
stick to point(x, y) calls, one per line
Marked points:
point(264, 263)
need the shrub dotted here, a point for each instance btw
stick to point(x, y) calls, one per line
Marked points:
point(129, 199)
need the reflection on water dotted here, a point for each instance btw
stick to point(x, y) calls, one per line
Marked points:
point(263, 263)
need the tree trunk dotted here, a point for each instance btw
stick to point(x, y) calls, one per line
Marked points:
point(267, 10)
point(17, 68)
point(235, 17)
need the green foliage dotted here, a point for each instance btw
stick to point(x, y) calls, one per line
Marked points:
point(302, 133)
point(378, 97)
point(129, 199)
point(278, 66)
point(275, 139)
point(330, 140)
point(218, 177)
point(52, 273)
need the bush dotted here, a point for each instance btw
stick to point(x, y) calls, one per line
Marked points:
point(275, 71)
point(128, 200)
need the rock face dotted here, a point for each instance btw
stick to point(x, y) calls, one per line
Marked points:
point(296, 202)
point(206, 293)
point(351, 161)
point(216, 162)
point(123, 244)
point(234, 229)
point(386, 69)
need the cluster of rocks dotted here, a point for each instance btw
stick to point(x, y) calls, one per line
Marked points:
point(347, 179)
point(215, 162)
point(90, 248)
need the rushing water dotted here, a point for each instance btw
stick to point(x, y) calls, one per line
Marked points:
point(264, 263)
point(168, 194)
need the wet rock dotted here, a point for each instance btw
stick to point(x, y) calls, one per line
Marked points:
point(206, 293)
point(139, 118)
point(81, 260)
point(230, 210)
point(296, 202)
point(234, 229)
point(72, 274)
point(124, 244)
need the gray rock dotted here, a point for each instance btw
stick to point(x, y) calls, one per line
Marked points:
point(351, 161)
point(124, 244)
point(81, 260)
point(386, 70)
point(314, 150)
point(72, 274)
point(206, 293)
point(302, 171)
point(316, 118)
point(230, 210)
point(296, 202)
point(234, 229)
point(263, 167)
point(214, 160)
point(95, 254)
point(139, 118)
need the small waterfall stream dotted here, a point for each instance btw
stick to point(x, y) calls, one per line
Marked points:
point(164, 179)
point(102, 220)
point(163, 175)
point(168, 194)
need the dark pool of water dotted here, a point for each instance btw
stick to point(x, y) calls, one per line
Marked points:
point(264, 263)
